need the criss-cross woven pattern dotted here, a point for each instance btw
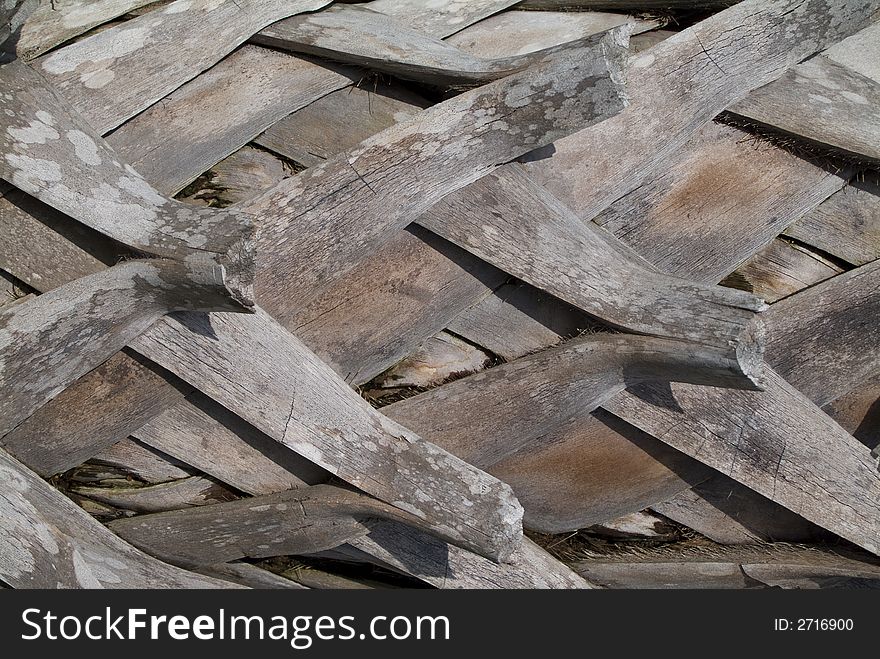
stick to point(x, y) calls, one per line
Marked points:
point(305, 293)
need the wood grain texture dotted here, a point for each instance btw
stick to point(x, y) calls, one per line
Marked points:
point(355, 201)
point(781, 269)
point(79, 174)
point(392, 301)
point(587, 5)
point(43, 247)
point(683, 82)
point(756, 566)
point(243, 175)
point(438, 359)
point(776, 441)
point(513, 33)
point(47, 541)
point(303, 404)
point(205, 120)
point(445, 17)
point(57, 337)
point(89, 416)
point(353, 35)
point(55, 22)
point(573, 260)
point(301, 521)
point(821, 103)
point(488, 416)
point(859, 52)
point(111, 76)
point(824, 339)
point(847, 225)
point(340, 121)
point(207, 436)
point(724, 185)
point(143, 462)
point(731, 514)
point(174, 495)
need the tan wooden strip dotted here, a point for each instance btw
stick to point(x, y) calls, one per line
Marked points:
point(174, 495)
point(84, 419)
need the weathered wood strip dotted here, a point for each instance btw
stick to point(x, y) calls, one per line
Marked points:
point(86, 418)
point(859, 52)
point(440, 358)
point(847, 225)
point(781, 269)
point(174, 495)
point(600, 275)
point(303, 404)
point(205, 435)
point(55, 22)
point(106, 76)
point(43, 247)
point(410, 551)
point(588, 5)
point(302, 521)
point(79, 174)
point(143, 462)
point(327, 217)
point(731, 514)
point(353, 35)
point(515, 32)
point(240, 177)
point(47, 541)
point(446, 17)
point(683, 82)
point(488, 416)
point(775, 441)
point(758, 566)
point(55, 338)
point(340, 121)
point(205, 120)
point(724, 192)
point(825, 339)
point(572, 477)
point(262, 471)
point(392, 301)
point(820, 103)
point(249, 576)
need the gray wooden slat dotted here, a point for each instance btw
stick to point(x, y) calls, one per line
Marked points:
point(174, 495)
point(573, 260)
point(208, 118)
point(859, 52)
point(488, 416)
point(519, 32)
point(55, 338)
point(776, 441)
point(858, 412)
point(301, 521)
point(729, 513)
point(847, 225)
point(821, 103)
point(352, 35)
point(446, 16)
point(47, 541)
point(108, 77)
point(781, 269)
point(142, 462)
point(85, 419)
point(203, 434)
point(55, 22)
point(825, 339)
point(682, 83)
point(381, 185)
point(304, 405)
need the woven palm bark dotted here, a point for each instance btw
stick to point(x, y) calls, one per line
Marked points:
point(477, 294)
